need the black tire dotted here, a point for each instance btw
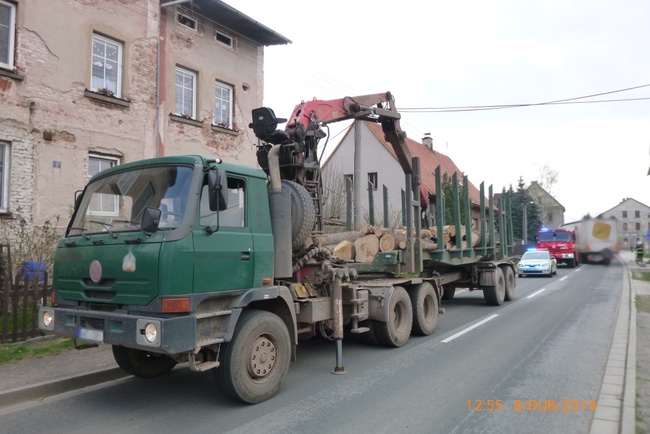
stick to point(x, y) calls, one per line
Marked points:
point(397, 330)
point(448, 293)
point(303, 214)
point(495, 295)
point(509, 276)
point(521, 275)
point(572, 263)
point(259, 338)
point(142, 363)
point(425, 304)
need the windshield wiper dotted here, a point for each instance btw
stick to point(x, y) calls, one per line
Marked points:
point(82, 230)
point(106, 226)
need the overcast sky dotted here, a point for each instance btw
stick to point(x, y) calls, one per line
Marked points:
point(433, 54)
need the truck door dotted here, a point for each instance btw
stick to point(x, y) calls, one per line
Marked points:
point(223, 243)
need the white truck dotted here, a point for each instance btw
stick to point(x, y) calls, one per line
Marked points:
point(596, 239)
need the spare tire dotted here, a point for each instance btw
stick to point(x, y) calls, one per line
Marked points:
point(303, 214)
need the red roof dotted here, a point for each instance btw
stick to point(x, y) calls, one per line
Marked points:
point(429, 160)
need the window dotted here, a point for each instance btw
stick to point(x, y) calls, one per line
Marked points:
point(549, 217)
point(186, 21)
point(232, 217)
point(223, 111)
point(624, 226)
point(7, 31)
point(101, 204)
point(106, 66)
point(224, 39)
point(372, 179)
point(637, 226)
point(624, 214)
point(637, 214)
point(4, 176)
point(185, 93)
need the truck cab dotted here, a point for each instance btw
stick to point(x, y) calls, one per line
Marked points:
point(561, 243)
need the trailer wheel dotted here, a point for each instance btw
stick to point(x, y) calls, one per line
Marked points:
point(303, 214)
point(494, 295)
point(424, 303)
point(397, 330)
point(448, 293)
point(142, 363)
point(256, 360)
point(509, 277)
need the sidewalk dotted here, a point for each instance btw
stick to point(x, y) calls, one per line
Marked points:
point(36, 378)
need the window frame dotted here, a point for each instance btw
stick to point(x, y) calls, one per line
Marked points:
point(375, 176)
point(11, 37)
point(5, 148)
point(120, 55)
point(194, 75)
point(224, 35)
point(218, 121)
point(624, 214)
point(181, 15)
point(115, 162)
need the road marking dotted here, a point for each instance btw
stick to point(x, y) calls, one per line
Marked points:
point(535, 293)
point(462, 332)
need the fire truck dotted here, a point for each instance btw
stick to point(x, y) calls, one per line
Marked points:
point(561, 243)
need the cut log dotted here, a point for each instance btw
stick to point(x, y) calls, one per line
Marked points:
point(387, 243)
point(344, 250)
point(365, 248)
point(335, 238)
point(367, 229)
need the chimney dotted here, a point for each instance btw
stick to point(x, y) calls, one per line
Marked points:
point(427, 141)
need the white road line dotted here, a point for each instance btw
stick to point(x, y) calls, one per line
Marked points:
point(535, 293)
point(472, 327)
point(564, 278)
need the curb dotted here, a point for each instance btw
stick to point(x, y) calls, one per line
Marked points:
point(55, 387)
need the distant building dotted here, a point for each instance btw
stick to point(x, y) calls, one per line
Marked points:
point(551, 212)
point(633, 219)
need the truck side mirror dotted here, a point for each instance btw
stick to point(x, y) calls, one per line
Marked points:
point(217, 193)
point(150, 220)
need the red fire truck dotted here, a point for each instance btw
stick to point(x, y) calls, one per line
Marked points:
point(561, 243)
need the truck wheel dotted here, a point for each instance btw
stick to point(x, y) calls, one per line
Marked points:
point(256, 360)
point(448, 293)
point(509, 277)
point(572, 263)
point(303, 214)
point(397, 330)
point(494, 295)
point(424, 303)
point(142, 363)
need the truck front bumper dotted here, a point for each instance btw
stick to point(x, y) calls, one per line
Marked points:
point(159, 335)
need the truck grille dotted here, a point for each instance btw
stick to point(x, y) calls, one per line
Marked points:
point(92, 323)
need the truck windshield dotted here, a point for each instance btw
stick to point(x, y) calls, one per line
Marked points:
point(116, 203)
point(554, 236)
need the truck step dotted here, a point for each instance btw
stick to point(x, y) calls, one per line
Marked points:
point(360, 330)
point(201, 366)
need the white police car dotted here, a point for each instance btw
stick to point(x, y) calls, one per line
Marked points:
point(536, 262)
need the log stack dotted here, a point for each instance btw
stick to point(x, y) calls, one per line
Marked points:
point(365, 243)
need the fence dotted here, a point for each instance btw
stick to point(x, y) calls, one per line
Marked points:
point(19, 304)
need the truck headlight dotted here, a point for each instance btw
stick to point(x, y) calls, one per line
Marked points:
point(47, 319)
point(150, 333)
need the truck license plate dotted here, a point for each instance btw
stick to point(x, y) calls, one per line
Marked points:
point(90, 335)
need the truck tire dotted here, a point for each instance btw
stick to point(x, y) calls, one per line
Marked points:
point(495, 295)
point(571, 263)
point(254, 363)
point(424, 303)
point(303, 213)
point(397, 330)
point(142, 363)
point(448, 293)
point(509, 277)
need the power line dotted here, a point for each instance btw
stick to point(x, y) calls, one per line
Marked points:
point(574, 100)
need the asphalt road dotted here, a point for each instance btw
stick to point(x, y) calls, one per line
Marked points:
point(546, 349)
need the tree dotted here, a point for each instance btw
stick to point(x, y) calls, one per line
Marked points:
point(547, 178)
point(533, 222)
point(448, 195)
